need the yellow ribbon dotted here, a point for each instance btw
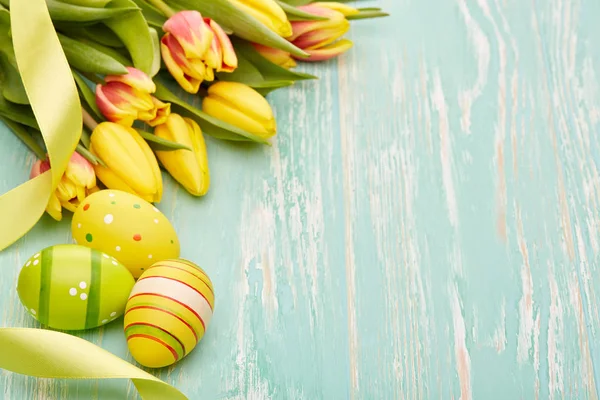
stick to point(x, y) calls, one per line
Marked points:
point(50, 354)
point(53, 96)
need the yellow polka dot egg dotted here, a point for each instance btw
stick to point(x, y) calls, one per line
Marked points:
point(168, 312)
point(126, 227)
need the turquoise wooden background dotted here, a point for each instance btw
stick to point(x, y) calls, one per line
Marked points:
point(426, 224)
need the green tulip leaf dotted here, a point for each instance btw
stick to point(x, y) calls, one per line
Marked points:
point(12, 86)
point(368, 13)
point(22, 133)
point(157, 57)
point(98, 33)
point(73, 13)
point(152, 15)
point(88, 155)
point(88, 96)
point(295, 14)
point(269, 70)
point(240, 23)
point(85, 58)
point(121, 55)
point(18, 113)
point(87, 3)
point(159, 144)
point(133, 31)
point(210, 125)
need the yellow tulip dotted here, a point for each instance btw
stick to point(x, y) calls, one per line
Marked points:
point(241, 106)
point(269, 13)
point(280, 57)
point(130, 164)
point(189, 168)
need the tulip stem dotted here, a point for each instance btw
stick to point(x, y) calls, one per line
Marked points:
point(88, 120)
point(162, 7)
point(21, 132)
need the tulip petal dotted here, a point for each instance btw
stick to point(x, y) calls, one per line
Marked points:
point(328, 52)
point(54, 208)
point(322, 37)
point(162, 112)
point(229, 61)
point(220, 109)
point(276, 56)
point(134, 78)
point(112, 112)
point(269, 13)
point(339, 7)
point(179, 67)
point(80, 171)
point(152, 163)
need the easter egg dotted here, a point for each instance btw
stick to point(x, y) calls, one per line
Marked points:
point(73, 287)
point(168, 312)
point(126, 227)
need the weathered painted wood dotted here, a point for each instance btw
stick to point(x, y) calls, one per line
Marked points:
point(426, 224)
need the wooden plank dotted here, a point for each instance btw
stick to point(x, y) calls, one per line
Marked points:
point(425, 225)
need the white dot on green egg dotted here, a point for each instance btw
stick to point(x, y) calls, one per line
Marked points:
point(36, 262)
point(28, 263)
point(118, 248)
point(83, 296)
point(112, 314)
point(108, 219)
point(82, 285)
point(73, 291)
point(105, 255)
point(114, 262)
point(33, 311)
point(104, 321)
point(37, 255)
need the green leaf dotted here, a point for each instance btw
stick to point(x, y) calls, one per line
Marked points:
point(88, 96)
point(87, 3)
point(269, 70)
point(88, 155)
point(121, 55)
point(160, 144)
point(152, 15)
point(133, 30)
point(18, 113)
point(241, 24)
point(12, 86)
point(87, 59)
point(73, 13)
point(210, 125)
point(368, 13)
point(157, 57)
point(98, 33)
point(295, 14)
point(21, 132)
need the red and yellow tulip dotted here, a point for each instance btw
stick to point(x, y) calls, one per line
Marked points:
point(194, 48)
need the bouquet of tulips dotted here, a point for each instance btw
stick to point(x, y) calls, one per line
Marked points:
point(141, 68)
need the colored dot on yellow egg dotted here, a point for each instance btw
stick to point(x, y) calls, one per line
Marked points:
point(89, 237)
point(137, 206)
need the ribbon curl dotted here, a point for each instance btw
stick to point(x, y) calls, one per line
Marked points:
point(55, 102)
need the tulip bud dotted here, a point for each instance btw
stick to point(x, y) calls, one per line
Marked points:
point(269, 13)
point(189, 168)
point(320, 38)
point(241, 106)
point(125, 98)
point(280, 57)
point(130, 164)
point(194, 48)
point(78, 182)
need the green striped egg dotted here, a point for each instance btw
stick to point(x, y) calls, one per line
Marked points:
point(72, 287)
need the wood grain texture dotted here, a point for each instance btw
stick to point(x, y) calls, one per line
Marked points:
point(426, 224)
